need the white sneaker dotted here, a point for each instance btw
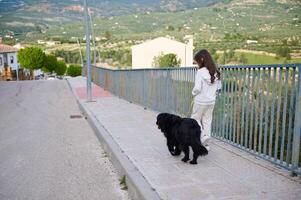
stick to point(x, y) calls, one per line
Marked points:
point(207, 147)
point(205, 140)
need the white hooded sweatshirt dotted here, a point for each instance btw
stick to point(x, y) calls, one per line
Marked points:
point(204, 91)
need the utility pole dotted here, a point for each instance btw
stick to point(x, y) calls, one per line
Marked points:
point(81, 55)
point(93, 37)
point(88, 64)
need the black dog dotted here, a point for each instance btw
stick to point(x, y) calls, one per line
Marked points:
point(180, 134)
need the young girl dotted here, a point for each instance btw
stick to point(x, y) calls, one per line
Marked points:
point(207, 82)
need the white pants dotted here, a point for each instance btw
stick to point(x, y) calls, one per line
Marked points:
point(203, 115)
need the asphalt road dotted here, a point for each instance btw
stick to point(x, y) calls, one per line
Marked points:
point(44, 154)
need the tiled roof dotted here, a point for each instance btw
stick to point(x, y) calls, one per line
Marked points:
point(6, 48)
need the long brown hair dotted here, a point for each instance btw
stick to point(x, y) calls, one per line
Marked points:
point(204, 59)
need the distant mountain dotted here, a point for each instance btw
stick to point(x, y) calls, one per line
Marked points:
point(111, 7)
point(122, 7)
point(211, 19)
point(23, 16)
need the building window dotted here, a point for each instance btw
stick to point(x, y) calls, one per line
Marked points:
point(11, 59)
point(1, 62)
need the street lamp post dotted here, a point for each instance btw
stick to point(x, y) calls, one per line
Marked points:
point(93, 37)
point(88, 64)
point(80, 54)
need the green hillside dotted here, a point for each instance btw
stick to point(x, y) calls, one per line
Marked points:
point(222, 26)
point(233, 22)
point(27, 16)
point(266, 20)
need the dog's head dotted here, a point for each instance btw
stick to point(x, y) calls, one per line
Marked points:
point(166, 121)
point(162, 121)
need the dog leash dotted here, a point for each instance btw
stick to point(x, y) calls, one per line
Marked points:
point(188, 114)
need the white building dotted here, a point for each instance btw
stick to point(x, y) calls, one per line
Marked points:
point(41, 42)
point(252, 41)
point(143, 54)
point(52, 43)
point(8, 57)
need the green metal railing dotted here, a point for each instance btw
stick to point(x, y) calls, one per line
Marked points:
point(258, 108)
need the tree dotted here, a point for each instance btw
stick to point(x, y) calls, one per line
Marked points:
point(170, 28)
point(168, 60)
point(215, 57)
point(227, 36)
point(108, 35)
point(74, 70)
point(50, 63)
point(9, 41)
point(217, 9)
point(31, 58)
point(224, 58)
point(243, 59)
point(214, 54)
point(295, 42)
point(231, 54)
point(284, 41)
point(284, 52)
point(60, 68)
point(212, 51)
point(38, 29)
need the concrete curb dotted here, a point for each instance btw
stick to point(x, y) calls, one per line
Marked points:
point(138, 186)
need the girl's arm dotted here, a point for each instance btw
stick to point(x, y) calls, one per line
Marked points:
point(198, 84)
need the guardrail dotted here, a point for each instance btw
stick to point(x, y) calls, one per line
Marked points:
point(258, 108)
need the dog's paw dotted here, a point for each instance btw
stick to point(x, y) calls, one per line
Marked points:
point(177, 152)
point(193, 162)
point(185, 159)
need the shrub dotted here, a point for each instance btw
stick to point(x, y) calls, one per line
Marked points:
point(60, 68)
point(50, 64)
point(74, 70)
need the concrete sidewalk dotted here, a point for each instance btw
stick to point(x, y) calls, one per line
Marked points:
point(226, 173)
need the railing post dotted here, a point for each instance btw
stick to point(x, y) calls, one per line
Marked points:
point(297, 128)
point(290, 118)
point(119, 85)
point(167, 98)
point(144, 90)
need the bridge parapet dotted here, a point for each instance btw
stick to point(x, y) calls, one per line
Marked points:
point(258, 108)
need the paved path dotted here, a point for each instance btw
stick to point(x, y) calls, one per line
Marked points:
point(226, 173)
point(46, 155)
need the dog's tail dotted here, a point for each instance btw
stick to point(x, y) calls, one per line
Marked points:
point(199, 147)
